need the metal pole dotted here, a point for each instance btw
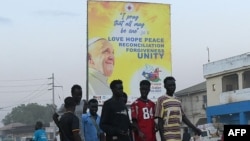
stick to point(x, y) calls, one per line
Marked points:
point(53, 90)
point(53, 100)
point(208, 54)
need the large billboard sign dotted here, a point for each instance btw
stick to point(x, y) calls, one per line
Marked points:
point(130, 41)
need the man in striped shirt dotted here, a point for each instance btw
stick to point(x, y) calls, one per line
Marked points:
point(170, 114)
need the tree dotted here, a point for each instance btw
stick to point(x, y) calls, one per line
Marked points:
point(29, 114)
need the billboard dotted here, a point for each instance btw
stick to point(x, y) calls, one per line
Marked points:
point(130, 41)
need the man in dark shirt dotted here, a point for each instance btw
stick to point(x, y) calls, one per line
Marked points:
point(115, 119)
point(69, 122)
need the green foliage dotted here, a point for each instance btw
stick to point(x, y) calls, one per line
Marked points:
point(29, 114)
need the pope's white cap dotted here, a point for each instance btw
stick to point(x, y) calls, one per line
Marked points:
point(93, 40)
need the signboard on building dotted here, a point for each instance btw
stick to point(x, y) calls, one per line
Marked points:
point(130, 41)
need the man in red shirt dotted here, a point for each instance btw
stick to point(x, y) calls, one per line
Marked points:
point(142, 113)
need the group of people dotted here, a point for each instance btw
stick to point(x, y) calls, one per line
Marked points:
point(114, 123)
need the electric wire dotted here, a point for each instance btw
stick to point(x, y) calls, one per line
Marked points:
point(33, 94)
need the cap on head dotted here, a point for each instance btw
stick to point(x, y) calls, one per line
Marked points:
point(93, 40)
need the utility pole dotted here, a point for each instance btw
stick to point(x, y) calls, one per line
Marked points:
point(53, 89)
point(53, 99)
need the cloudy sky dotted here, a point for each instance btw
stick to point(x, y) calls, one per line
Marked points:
point(41, 37)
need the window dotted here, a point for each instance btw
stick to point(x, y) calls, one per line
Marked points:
point(246, 79)
point(213, 87)
point(230, 83)
point(229, 87)
point(204, 99)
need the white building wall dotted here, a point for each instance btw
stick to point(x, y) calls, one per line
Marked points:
point(192, 105)
point(214, 89)
point(214, 72)
point(225, 65)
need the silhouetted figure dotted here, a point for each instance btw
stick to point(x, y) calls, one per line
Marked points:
point(115, 119)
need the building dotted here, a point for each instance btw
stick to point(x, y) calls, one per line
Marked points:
point(23, 132)
point(194, 103)
point(228, 89)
